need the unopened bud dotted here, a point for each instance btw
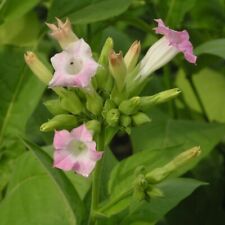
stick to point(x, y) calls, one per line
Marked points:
point(54, 107)
point(70, 102)
point(160, 174)
point(125, 120)
point(62, 32)
point(159, 98)
point(130, 106)
point(94, 103)
point(59, 122)
point(132, 55)
point(37, 67)
point(94, 126)
point(109, 104)
point(112, 117)
point(140, 118)
point(155, 192)
point(118, 69)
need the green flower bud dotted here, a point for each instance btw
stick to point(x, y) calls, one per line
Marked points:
point(118, 69)
point(59, 122)
point(159, 98)
point(107, 48)
point(94, 103)
point(132, 55)
point(94, 126)
point(159, 174)
point(104, 79)
point(130, 106)
point(37, 67)
point(70, 102)
point(140, 118)
point(109, 104)
point(54, 106)
point(125, 120)
point(154, 192)
point(112, 117)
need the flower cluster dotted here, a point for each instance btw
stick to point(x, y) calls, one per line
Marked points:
point(98, 98)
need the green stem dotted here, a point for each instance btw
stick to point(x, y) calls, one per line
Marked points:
point(96, 182)
point(198, 98)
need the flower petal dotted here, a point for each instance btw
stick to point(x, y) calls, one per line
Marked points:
point(61, 139)
point(178, 39)
point(82, 133)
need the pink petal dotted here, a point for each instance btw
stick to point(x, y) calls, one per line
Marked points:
point(92, 153)
point(63, 160)
point(84, 168)
point(80, 47)
point(82, 133)
point(61, 139)
point(84, 77)
point(178, 39)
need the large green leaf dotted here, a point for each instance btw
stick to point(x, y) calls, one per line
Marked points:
point(174, 191)
point(177, 11)
point(13, 9)
point(214, 47)
point(211, 89)
point(23, 31)
point(40, 194)
point(21, 92)
point(100, 10)
point(162, 133)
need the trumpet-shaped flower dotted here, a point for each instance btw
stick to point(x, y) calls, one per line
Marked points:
point(75, 150)
point(166, 48)
point(74, 66)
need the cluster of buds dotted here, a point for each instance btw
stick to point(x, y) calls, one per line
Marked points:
point(97, 98)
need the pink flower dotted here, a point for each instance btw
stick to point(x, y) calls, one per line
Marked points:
point(166, 49)
point(178, 39)
point(74, 66)
point(75, 150)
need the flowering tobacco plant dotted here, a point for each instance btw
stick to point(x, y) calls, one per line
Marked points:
point(96, 98)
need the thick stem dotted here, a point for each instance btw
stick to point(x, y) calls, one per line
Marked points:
point(96, 182)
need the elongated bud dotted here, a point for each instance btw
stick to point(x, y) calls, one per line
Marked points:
point(94, 103)
point(54, 107)
point(125, 120)
point(94, 126)
point(62, 32)
point(37, 67)
point(140, 118)
point(70, 102)
point(160, 174)
point(118, 69)
point(112, 117)
point(104, 79)
point(59, 122)
point(132, 55)
point(131, 106)
point(159, 98)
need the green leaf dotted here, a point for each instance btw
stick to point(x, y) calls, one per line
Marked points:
point(177, 11)
point(100, 10)
point(162, 133)
point(65, 7)
point(214, 47)
point(40, 194)
point(175, 190)
point(21, 32)
point(16, 81)
point(13, 9)
point(16, 105)
point(211, 89)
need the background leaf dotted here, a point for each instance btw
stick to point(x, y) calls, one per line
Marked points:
point(39, 194)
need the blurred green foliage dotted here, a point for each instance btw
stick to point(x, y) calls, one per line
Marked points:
point(32, 194)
